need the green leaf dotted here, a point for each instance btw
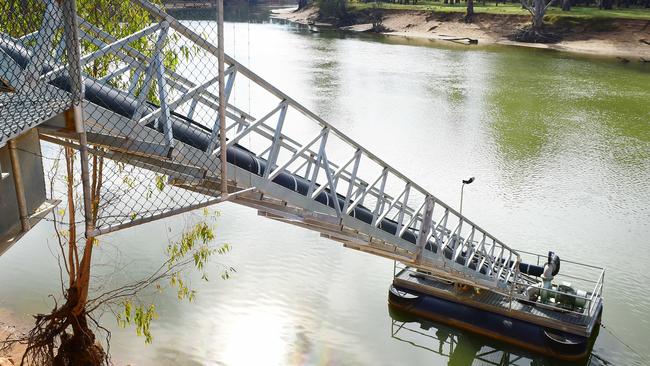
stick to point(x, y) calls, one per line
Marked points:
point(160, 182)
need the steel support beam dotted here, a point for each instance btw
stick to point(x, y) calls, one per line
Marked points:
point(75, 115)
point(19, 185)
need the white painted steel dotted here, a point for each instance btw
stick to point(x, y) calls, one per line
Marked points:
point(389, 195)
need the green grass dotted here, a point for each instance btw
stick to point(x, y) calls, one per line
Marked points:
point(510, 9)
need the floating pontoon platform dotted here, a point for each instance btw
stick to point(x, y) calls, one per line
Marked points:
point(555, 321)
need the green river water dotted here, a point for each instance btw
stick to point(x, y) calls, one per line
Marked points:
point(559, 146)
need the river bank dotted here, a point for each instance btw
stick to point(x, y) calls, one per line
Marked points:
point(11, 327)
point(623, 38)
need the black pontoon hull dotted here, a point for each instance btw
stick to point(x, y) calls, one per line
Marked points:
point(532, 337)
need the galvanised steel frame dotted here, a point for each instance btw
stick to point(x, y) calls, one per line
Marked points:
point(362, 177)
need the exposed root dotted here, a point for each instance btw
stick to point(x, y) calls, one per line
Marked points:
point(379, 28)
point(61, 338)
point(529, 34)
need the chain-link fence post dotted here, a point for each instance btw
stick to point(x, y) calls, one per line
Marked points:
point(74, 116)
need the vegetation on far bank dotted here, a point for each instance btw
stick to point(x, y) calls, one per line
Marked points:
point(506, 9)
point(551, 20)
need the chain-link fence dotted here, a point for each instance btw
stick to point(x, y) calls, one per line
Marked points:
point(144, 138)
point(34, 38)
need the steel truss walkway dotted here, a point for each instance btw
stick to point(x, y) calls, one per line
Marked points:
point(286, 177)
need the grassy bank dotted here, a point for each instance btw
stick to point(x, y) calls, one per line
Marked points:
point(507, 9)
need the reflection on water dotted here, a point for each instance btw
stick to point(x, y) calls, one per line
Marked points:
point(560, 147)
point(460, 348)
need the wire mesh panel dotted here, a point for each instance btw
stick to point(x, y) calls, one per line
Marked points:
point(134, 91)
point(34, 35)
point(131, 91)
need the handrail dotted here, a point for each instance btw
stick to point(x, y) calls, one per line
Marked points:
point(601, 279)
point(398, 208)
point(198, 40)
point(563, 260)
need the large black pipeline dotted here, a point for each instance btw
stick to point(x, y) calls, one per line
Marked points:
point(196, 135)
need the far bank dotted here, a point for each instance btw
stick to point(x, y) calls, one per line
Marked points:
point(627, 39)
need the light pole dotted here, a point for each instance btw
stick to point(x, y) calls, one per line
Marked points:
point(465, 181)
point(222, 102)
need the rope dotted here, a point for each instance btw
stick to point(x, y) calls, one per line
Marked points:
point(611, 332)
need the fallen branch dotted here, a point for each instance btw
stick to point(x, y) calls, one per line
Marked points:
point(461, 40)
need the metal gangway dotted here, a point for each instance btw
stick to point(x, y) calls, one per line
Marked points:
point(143, 113)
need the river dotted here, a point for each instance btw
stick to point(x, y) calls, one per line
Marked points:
point(560, 148)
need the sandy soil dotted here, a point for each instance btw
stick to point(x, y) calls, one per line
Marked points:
point(621, 39)
point(10, 326)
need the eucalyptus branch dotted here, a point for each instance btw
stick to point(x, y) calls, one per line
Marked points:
point(549, 4)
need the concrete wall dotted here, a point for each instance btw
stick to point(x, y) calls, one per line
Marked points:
point(29, 152)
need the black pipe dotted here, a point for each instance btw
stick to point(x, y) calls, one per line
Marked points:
point(189, 132)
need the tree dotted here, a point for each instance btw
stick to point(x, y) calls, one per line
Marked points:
point(606, 4)
point(302, 4)
point(67, 334)
point(566, 5)
point(470, 11)
point(537, 9)
point(333, 8)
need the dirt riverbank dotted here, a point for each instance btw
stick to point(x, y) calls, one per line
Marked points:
point(11, 327)
point(623, 38)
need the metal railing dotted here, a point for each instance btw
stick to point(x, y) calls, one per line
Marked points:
point(518, 286)
point(329, 159)
point(587, 275)
point(402, 201)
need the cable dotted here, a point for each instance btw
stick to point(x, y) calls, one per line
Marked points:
point(611, 332)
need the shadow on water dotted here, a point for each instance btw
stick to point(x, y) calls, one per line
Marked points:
point(462, 348)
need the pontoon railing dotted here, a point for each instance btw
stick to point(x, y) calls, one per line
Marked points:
point(515, 295)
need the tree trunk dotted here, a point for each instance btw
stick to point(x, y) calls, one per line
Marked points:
point(341, 8)
point(302, 4)
point(470, 10)
point(538, 14)
point(566, 5)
